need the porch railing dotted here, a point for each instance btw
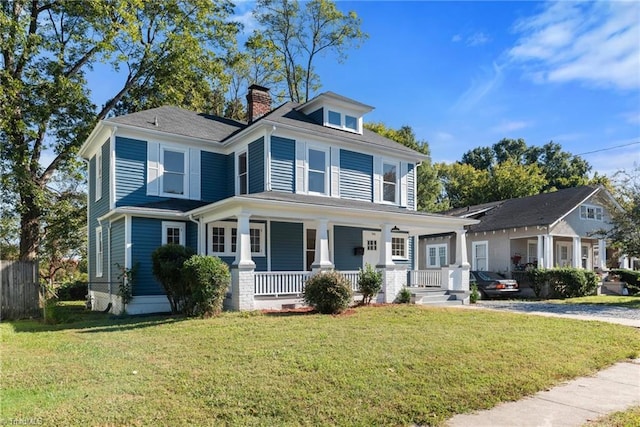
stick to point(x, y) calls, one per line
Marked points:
point(275, 283)
point(352, 277)
point(425, 278)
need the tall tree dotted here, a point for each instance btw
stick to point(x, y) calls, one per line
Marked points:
point(625, 216)
point(298, 35)
point(463, 184)
point(47, 47)
point(427, 183)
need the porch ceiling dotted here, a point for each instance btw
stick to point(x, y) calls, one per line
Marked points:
point(288, 206)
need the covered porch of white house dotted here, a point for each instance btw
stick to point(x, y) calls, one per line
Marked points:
point(274, 242)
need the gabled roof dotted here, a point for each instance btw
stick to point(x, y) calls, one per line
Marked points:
point(542, 209)
point(182, 122)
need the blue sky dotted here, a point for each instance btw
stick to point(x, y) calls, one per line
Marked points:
point(467, 74)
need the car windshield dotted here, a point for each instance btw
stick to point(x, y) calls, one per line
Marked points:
point(488, 275)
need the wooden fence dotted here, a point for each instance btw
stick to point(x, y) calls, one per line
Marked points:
point(19, 290)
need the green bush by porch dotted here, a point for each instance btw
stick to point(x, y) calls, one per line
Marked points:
point(328, 292)
point(392, 365)
point(563, 282)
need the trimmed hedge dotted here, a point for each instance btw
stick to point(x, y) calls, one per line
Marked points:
point(167, 268)
point(563, 282)
point(208, 278)
point(631, 278)
point(73, 291)
point(329, 292)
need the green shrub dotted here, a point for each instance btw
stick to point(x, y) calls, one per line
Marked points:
point(631, 278)
point(564, 282)
point(369, 283)
point(404, 296)
point(328, 292)
point(54, 313)
point(76, 290)
point(167, 268)
point(208, 278)
point(474, 296)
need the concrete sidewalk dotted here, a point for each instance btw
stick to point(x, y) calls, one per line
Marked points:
point(571, 404)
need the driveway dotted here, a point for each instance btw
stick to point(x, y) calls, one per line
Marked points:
point(603, 313)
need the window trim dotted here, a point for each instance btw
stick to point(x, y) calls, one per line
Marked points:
point(185, 173)
point(597, 211)
point(327, 169)
point(437, 246)
point(246, 174)
point(474, 261)
point(173, 224)
point(99, 174)
point(383, 182)
point(343, 120)
point(228, 226)
point(99, 249)
point(405, 249)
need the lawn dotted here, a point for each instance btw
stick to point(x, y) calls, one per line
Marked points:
point(389, 365)
point(628, 418)
point(612, 300)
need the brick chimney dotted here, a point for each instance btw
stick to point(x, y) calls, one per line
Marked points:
point(258, 102)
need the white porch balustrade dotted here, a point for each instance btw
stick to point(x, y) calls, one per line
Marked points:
point(276, 283)
point(425, 278)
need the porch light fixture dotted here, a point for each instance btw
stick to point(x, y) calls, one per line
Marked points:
point(395, 229)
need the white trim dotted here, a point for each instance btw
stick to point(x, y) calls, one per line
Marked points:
point(185, 171)
point(335, 171)
point(584, 212)
point(342, 113)
point(327, 169)
point(301, 162)
point(269, 245)
point(405, 238)
point(437, 248)
point(172, 224)
point(127, 242)
point(395, 164)
point(228, 226)
point(112, 168)
point(98, 175)
point(195, 157)
point(244, 151)
point(404, 170)
point(153, 168)
point(99, 252)
point(474, 260)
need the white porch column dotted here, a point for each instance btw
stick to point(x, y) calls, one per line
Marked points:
point(602, 254)
point(577, 253)
point(242, 269)
point(321, 261)
point(461, 274)
point(624, 262)
point(385, 247)
point(549, 251)
point(540, 252)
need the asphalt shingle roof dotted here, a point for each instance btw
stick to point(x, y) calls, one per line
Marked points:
point(542, 209)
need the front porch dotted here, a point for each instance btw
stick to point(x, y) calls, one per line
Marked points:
point(274, 246)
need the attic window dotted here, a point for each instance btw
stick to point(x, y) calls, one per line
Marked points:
point(593, 213)
point(351, 122)
point(342, 121)
point(335, 118)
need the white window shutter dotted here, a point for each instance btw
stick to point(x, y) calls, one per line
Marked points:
point(301, 156)
point(153, 168)
point(335, 172)
point(194, 174)
point(377, 179)
point(403, 184)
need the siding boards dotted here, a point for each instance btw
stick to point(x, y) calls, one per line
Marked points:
point(117, 251)
point(317, 116)
point(347, 238)
point(231, 175)
point(131, 173)
point(287, 246)
point(214, 177)
point(96, 210)
point(356, 175)
point(283, 158)
point(256, 166)
point(146, 236)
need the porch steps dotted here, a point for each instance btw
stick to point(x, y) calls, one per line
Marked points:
point(434, 297)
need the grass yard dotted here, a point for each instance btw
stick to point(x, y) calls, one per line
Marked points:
point(628, 418)
point(389, 365)
point(612, 300)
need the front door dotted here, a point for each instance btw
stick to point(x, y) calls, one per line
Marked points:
point(563, 251)
point(371, 244)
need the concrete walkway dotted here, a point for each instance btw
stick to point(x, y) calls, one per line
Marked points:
point(571, 404)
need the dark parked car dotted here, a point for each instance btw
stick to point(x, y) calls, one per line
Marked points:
point(492, 284)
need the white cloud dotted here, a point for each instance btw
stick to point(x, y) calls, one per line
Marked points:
point(456, 38)
point(597, 43)
point(246, 18)
point(479, 89)
point(478, 39)
point(510, 126)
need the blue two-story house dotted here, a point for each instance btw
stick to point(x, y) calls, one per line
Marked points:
point(298, 189)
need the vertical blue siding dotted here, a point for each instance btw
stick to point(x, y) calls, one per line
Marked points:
point(411, 177)
point(215, 174)
point(345, 239)
point(256, 166)
point(117, 252)
point(131, 172)
point(317, 116)
point(98, 209)
point(283, 157)
point(356, 175)
point(146, 236)
point(287, 246)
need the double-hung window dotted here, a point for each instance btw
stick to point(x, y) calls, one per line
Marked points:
point(173, 233)
point(437, 255)
point(174, 171)
point(243, 173)
point(317, 175)
point(390, 182)
point(223, 239)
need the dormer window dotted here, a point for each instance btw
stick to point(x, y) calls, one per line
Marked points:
point(343, 121)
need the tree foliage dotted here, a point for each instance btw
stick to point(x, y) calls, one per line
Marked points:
point(295, 34)
point(428, 185)
point(164, 50)
point(625, 216)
